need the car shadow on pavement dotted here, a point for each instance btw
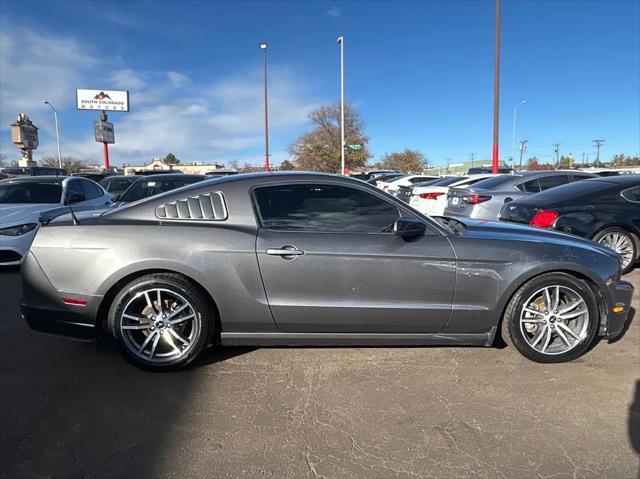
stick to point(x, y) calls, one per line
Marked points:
point(219, 354)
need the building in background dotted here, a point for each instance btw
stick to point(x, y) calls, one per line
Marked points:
point(156, 164)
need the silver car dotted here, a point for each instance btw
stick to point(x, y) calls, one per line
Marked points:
point(310, 259)
point(485, 199)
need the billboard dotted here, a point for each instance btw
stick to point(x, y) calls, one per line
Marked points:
point(104, 131)
point(104, 100)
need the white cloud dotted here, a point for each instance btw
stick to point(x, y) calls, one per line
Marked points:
point(198, 121)
point(334, 12)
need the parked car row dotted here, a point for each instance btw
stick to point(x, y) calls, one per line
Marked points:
point(601, 207)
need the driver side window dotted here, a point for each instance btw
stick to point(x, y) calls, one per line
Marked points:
point(323, 209)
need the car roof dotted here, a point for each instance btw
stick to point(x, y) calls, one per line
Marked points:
point(37, 179)
point(168, 176)
point(622, 180)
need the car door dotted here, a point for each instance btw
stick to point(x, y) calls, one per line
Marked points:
point(331, 263)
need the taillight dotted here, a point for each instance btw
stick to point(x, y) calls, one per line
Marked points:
point(430, 196)
point(475, 199)
point(544, 219)
point(385, 187)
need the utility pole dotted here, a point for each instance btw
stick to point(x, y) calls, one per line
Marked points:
point(496, 92)
point(55, 119)
point(583, 158)
point(472, 155)
point(556, 149)
point(523, 147)
point(341, 42)
point(597, 144)
point(263, 47)
point(448, 161)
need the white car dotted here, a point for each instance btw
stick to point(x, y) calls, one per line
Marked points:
point(432, 199)
point(25, 199)
point(392, 186)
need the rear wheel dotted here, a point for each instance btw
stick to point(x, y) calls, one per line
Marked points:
point(161, 321)
point(552, 318)
point(622, 242)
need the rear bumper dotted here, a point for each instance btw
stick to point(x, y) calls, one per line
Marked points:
point(60, 323)
point(621, 294)
point(45, 309)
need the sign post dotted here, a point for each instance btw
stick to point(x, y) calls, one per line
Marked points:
point(103, 101)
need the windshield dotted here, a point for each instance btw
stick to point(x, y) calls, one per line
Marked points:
point(447, 180)
point(146, 188)
point(493, 182)
point(117, 185)
point(30, 192)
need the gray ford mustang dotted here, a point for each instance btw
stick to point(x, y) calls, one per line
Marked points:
point(311, 259)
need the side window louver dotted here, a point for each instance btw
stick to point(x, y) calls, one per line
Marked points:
point(206, 207)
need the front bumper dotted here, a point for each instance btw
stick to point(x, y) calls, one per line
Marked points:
point(13, 248)
point(621, 295)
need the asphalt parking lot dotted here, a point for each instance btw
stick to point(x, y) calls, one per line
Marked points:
point(73, 409)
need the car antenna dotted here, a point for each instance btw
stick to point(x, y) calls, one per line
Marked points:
point(74, 218)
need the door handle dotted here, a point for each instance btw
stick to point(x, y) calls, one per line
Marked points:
point(286, 252)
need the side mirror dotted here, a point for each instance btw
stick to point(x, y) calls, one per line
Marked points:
point(77, 198)
point(115, 198)
point(408, 227)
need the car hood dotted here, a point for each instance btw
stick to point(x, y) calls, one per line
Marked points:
point(515, 232)
point(12, 214)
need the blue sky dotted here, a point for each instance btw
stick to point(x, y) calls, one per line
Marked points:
point(420, 73)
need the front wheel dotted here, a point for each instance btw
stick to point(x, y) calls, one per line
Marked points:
point(161, 321)
point(552, 318)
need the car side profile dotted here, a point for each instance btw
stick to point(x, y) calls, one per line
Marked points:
point(296, 259)
point(605, 209)
point(485, 199)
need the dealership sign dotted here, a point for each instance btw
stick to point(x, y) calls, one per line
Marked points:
point(104, 132)
point(24, 133)
point(105, 100)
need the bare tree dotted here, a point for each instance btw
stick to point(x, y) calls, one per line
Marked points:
point(319, 149)
point(72, 165)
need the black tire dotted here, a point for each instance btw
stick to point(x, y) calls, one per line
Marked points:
point(598, 238)
point(175, 288)
point(513, 334)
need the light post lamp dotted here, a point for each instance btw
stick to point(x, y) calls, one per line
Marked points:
point(515, 112)
point(263, 47)
point(340, 40)
point(55, 119)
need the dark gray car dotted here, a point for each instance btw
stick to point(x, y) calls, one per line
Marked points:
point(311, 259)
point(485, 199)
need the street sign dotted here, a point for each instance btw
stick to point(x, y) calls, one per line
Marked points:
point(104, 131)
point(354, 147)
point(105, 100)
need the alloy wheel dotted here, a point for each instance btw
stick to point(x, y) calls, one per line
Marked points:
point(554, 320)
point(621, 244)
point(159, 325)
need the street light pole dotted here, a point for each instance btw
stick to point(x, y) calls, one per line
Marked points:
point(515, 112)
point(342, 165)
point(55, 120)
point(263, 47)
